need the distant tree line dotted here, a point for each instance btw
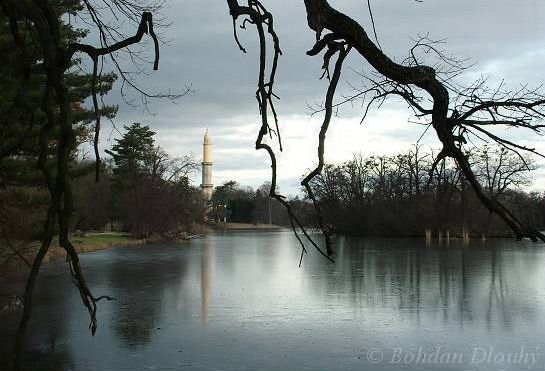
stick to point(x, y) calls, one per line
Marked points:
point(235, 203)
point(399, 195)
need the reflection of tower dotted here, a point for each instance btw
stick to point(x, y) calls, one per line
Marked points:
point(206, 279)
point(207, 185)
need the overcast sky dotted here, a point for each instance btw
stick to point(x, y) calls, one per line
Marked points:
point(505, 38)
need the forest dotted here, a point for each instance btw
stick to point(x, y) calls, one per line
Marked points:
point(404, 195)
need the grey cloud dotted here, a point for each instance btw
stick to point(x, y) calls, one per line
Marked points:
point(504, 33)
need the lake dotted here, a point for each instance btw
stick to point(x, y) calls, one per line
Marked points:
point(239, 301)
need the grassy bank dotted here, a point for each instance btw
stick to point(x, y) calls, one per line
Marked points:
point(245, 226)
point(94, 242)
point(100, 241)
point(87, 243)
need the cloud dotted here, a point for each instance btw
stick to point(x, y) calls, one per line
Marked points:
point(505, 37)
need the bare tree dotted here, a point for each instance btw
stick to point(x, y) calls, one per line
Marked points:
point(37, 23)
point(171, 169)
point(255, 13)
point(499, 169)
point(454, 112)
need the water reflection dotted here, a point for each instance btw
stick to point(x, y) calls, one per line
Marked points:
point(238, 300)
point(142, 282)
point(206, 278)
point(47, 344)
point(55, 360)
point(464, 281)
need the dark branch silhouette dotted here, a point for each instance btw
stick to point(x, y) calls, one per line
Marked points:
point(515, 109)
point(263, 20)
point(58, 128)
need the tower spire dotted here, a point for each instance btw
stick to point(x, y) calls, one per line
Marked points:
point(207, 185)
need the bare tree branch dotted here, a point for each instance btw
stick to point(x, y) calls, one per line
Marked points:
point(321, 16)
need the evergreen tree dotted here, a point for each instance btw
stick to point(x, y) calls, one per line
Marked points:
point(23, 116)
point(133, 152)
point(22, 111)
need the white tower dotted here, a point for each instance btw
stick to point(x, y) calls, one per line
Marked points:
point(207, 185)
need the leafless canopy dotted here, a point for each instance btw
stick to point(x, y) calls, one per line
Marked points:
point(454, 112)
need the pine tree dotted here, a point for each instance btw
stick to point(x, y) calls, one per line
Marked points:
point(23, 116)
point(21, 109)
point(133, 152)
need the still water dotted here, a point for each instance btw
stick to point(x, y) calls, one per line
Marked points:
point(238, 301)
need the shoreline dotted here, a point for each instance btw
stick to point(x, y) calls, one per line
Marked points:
point(97, 241)
point(245, 227)
point(91, 242)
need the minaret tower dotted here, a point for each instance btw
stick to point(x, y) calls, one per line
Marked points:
point(207, 185)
